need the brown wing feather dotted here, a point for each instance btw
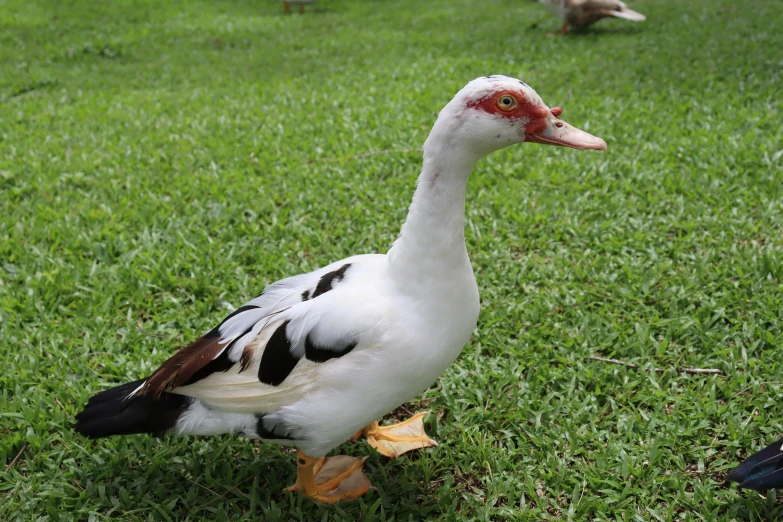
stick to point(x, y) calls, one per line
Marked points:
point(178, 369)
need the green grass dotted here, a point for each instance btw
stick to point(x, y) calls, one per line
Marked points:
point(163, 161)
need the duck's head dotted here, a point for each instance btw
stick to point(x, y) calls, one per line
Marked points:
point(493, 112)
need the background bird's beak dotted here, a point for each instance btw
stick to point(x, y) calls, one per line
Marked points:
point(557, 132)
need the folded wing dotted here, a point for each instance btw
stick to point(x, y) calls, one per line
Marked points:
point(267, 353)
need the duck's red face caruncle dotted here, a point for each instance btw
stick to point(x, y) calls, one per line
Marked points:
point(535, 121)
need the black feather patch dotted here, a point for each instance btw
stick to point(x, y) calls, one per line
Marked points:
point(762, 470)
point(327, 281)
point(305, 295)
point(274, 433)
point(320, 354)
point(110, 412)
point(277, 362)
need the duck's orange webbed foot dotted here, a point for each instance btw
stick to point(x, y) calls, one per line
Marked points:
point(392, 441)
point(330, 479)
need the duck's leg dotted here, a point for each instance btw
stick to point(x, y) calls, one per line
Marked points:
point(565, 28)
point(392, 441)
point(301, 8)
point(286, 7)
point(329, 479)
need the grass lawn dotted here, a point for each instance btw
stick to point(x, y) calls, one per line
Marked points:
point(160, 162)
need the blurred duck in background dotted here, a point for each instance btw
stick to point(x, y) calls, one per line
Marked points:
point(301, 3)
point(582, 13)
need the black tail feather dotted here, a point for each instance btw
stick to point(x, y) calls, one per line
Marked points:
point(762, 470)
point(111, 412)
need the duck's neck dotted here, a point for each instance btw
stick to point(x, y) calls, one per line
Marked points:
point(432, 239)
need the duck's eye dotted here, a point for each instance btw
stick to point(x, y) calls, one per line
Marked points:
point(507, 103)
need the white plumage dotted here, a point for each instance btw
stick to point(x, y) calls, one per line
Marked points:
point(321, 405)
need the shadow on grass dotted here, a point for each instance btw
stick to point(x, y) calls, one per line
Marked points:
point(625, 29)
point(189, 482)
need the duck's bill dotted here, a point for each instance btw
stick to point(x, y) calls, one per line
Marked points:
point(558, 132)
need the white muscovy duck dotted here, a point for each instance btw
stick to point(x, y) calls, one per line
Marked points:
point(582, 13)
point(316, 358)
point(761, 471)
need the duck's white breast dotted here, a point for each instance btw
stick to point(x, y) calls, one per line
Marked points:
point(417, 333)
